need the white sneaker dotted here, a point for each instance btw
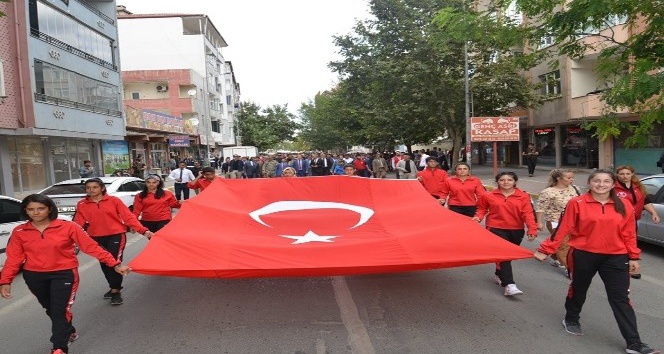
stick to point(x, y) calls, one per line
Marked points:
point(496, 279)
point(511, 290)
point(556, 263)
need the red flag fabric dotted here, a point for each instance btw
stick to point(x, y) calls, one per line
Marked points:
point(316, 226)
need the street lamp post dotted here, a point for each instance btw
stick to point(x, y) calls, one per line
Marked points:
point(195, 121)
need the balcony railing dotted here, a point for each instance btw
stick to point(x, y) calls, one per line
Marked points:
point(62, 45)
point(39, 97)
point(97, 12)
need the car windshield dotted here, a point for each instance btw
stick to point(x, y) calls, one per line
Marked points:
point(57, 189)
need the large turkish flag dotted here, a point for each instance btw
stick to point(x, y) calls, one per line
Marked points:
point(313, 226)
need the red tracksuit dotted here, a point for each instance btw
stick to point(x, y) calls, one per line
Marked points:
point(202, 183)
point(50, 269)
point(463, 192)
point(152, 209)
point(634, 195)
point(107, 221)
point(433, 180)
point(506, 217)
point(601, 241)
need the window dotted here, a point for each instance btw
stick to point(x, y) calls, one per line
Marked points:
point(135, 96)
point(130, 187)
point(56, 82)
point(546, 41)
point(64, 28)
point(551, 83)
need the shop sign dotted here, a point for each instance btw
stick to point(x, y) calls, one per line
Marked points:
point(153, 120)
point(494, 129)
point(543, 131)
point(178, 140)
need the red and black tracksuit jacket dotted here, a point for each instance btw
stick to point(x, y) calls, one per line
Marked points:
point(508, 213)
point(433, 180)
point(595, 227)
point(463, 192)
point(154, 209)
point(107, 217)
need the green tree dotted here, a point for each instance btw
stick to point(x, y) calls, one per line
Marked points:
point(404, 70)
point(328, 122)
point(632, 68)
point(266, 128)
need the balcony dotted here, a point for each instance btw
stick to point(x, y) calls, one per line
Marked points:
point(590, 106)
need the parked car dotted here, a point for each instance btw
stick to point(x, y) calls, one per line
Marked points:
point(10, 217)
point(66, 194)
point(649, 231)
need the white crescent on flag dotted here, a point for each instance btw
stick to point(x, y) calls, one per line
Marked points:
point(290, 205)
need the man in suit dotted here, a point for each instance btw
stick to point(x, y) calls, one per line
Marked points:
point(251, 168)
point(301, 165)
point(379, 166)
point(327, 164)
point(316, 165)
point(236, 167)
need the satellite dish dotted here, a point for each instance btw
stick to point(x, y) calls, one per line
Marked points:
point(192, 92)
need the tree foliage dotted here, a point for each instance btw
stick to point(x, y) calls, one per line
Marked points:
point(266, 128)
point(631, 68)
point(402, 73)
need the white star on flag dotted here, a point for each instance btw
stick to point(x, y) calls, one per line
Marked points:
point(310, 236)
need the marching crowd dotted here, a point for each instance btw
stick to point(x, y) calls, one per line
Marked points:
point(590, 233)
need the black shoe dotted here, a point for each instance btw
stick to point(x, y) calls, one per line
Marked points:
point(107, 295)
point(640, 348)
point(636, 276)
point(573, 328)
point(72, 338)
point(116, 299)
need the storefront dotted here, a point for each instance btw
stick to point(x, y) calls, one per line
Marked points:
point(545, 140)
point(643, 159)
point(578, 147)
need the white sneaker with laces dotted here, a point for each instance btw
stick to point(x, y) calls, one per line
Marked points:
point(511, 290)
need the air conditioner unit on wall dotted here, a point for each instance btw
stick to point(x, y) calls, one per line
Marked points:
point(162, 88)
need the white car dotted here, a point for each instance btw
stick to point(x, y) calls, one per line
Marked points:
point(66, 194)
point(10, 217)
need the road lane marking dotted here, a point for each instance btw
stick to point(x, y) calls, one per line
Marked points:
point(16, 304)
point(358, 336)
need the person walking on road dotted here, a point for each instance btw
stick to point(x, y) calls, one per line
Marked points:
point(407, 169)
point(602, 240)
point(628, 186)
point(433, 178)
point(182, 176)
point(154, 204)
point(106, 218)
point(43, 248)
point(462, 191)
point(530, 158)
point(507, 209)
point(550, 204)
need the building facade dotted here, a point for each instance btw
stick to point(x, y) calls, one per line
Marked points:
point(188, 42)
point(61, 82)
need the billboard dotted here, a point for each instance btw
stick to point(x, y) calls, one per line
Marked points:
point(494, 129)
point(115, 154)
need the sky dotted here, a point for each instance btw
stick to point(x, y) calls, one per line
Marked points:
point(280, 49)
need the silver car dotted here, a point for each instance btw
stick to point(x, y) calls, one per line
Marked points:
point(66, 194)
point(10, 217)
point(649, 231)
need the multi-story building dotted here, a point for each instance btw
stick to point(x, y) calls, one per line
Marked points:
point(573, 90)
point(188, 42)
point(60, 82)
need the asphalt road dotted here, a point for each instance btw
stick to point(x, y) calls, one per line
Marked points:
point(457, 310)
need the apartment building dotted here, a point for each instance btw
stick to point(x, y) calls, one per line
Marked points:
point(60, 87)
point(573, 90)
point(182, 73)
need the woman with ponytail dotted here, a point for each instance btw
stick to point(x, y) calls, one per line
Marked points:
point(628, 186)
point(602, 240)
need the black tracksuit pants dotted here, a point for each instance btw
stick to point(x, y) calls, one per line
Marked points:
point(614, 271)
point(504, 269)
point(115, 245)
point(55, 291)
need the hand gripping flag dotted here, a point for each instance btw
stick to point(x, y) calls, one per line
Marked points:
point(316, 226)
